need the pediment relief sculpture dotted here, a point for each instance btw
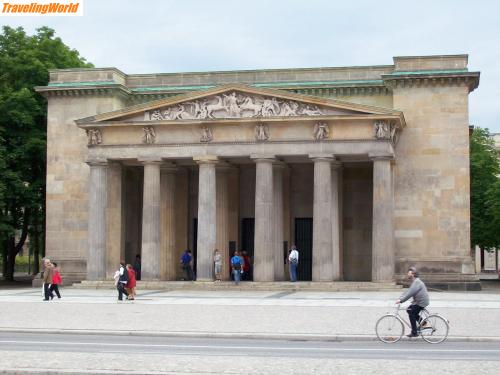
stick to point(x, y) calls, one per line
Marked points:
point(236, 105)
point(94, 136)
point(149, 136)
point(321, 131)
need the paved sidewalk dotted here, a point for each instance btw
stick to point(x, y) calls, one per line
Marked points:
point(294, 315)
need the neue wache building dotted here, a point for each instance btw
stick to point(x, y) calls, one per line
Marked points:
point(365, 169)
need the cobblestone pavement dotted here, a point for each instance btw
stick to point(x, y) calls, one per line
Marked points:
point(293, 315)
point(248, 314)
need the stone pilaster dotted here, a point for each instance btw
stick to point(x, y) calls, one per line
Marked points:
point(279, 266)
point(264, 242)
point(222, 193)
point(336, 220)
point(114, 219)
point(96, 260)
point(151, 222)
point(382, 237)
point(207, 217)
point(322, 267)
point(168, 256)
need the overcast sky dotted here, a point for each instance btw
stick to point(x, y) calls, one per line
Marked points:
point(202, 35)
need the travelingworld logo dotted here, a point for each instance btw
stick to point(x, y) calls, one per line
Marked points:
point(16, 8)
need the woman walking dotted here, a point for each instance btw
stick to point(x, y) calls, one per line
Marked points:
point(56, 281)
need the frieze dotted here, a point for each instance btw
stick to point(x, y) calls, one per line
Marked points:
point(94, 136)
point(261, 132)
point(206, 134)
point(386, 130)
point(149, 136)
point(235, 105)
point(321, 131)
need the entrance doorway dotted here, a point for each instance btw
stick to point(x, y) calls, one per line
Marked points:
point(303, 241)
point(247, 242)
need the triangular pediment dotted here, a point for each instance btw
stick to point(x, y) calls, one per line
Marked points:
point(235, 102)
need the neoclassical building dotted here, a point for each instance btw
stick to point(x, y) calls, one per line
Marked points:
point(365, 169)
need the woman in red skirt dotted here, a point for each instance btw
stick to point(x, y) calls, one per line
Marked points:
point(131, 282)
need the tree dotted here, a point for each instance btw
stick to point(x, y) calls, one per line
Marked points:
point(24, 62)
point(485, 190)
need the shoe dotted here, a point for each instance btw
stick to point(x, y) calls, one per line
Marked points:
point(412, 335)
point(46, 299)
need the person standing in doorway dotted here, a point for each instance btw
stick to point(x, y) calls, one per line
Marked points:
point(56, 281)
point(137, 267)
point(217, 265)
point(293, 261)
point(186, 260)
point(236, 267)
point(247, 267)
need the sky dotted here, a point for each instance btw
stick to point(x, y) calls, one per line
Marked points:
point(162, 36)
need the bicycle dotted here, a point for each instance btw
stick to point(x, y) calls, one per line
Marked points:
point(433, 328)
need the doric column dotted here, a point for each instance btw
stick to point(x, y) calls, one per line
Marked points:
point(151, 221)
point(222, 193)
point(336, 218)
point(264, 212)
point(207, 217)
point(382, 237)
point(114, 219)
point(279, 267)
point(168, 257)
point(322, 267)
point(96, 259)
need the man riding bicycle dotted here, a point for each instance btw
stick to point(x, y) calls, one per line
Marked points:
point(420, 296)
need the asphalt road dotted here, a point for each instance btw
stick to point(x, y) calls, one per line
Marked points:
point(414, 349)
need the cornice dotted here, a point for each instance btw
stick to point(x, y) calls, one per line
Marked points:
point(84, 89)
point(432, 78)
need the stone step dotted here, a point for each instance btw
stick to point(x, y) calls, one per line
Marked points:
point(340, 286)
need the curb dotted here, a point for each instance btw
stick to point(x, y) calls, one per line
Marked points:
point(232, 335)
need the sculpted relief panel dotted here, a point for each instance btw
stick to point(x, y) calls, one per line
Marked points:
point(236, 105)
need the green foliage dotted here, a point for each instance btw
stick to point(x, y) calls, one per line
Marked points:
point(25, 61)
point(485, 190)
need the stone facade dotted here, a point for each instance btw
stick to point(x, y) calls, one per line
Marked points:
point(365, 168)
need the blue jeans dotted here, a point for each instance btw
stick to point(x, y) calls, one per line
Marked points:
point(237, 276)
point(293, 271)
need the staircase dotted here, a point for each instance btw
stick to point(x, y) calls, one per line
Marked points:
point(338, 286)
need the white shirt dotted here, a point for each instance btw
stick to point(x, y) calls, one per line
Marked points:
point(294, 255)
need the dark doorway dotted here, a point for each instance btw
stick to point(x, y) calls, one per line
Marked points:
point(195, 243)
point(303, 241)
point(247, 235)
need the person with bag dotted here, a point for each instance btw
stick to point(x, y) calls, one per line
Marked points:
point(56, 281)
point(236, 267)
point(47, 278)
point(186, 262)
point(122, 281)
point(293, 261)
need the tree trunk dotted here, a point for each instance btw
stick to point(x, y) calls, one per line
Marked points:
point(4, 257)
point(36, 245)
point(13, 249)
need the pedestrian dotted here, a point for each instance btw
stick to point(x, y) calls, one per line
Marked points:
point(56, 281)
point(247, 266)
point(418, 291)
point(293, 261)
point(186, 260)
point(47, 278)
point(137, 266)
point(236, 267)
point(217, 265)
point(131, 283)
point(122, 281)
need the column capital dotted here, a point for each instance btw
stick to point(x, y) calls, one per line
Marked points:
point(206, 159)
point(268, 158)
point(380, 156)
point(150, 160)
point(95, 162)
point(322, 157)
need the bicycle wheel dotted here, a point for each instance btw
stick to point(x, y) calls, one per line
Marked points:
point(389, 329)
point(434, 329)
